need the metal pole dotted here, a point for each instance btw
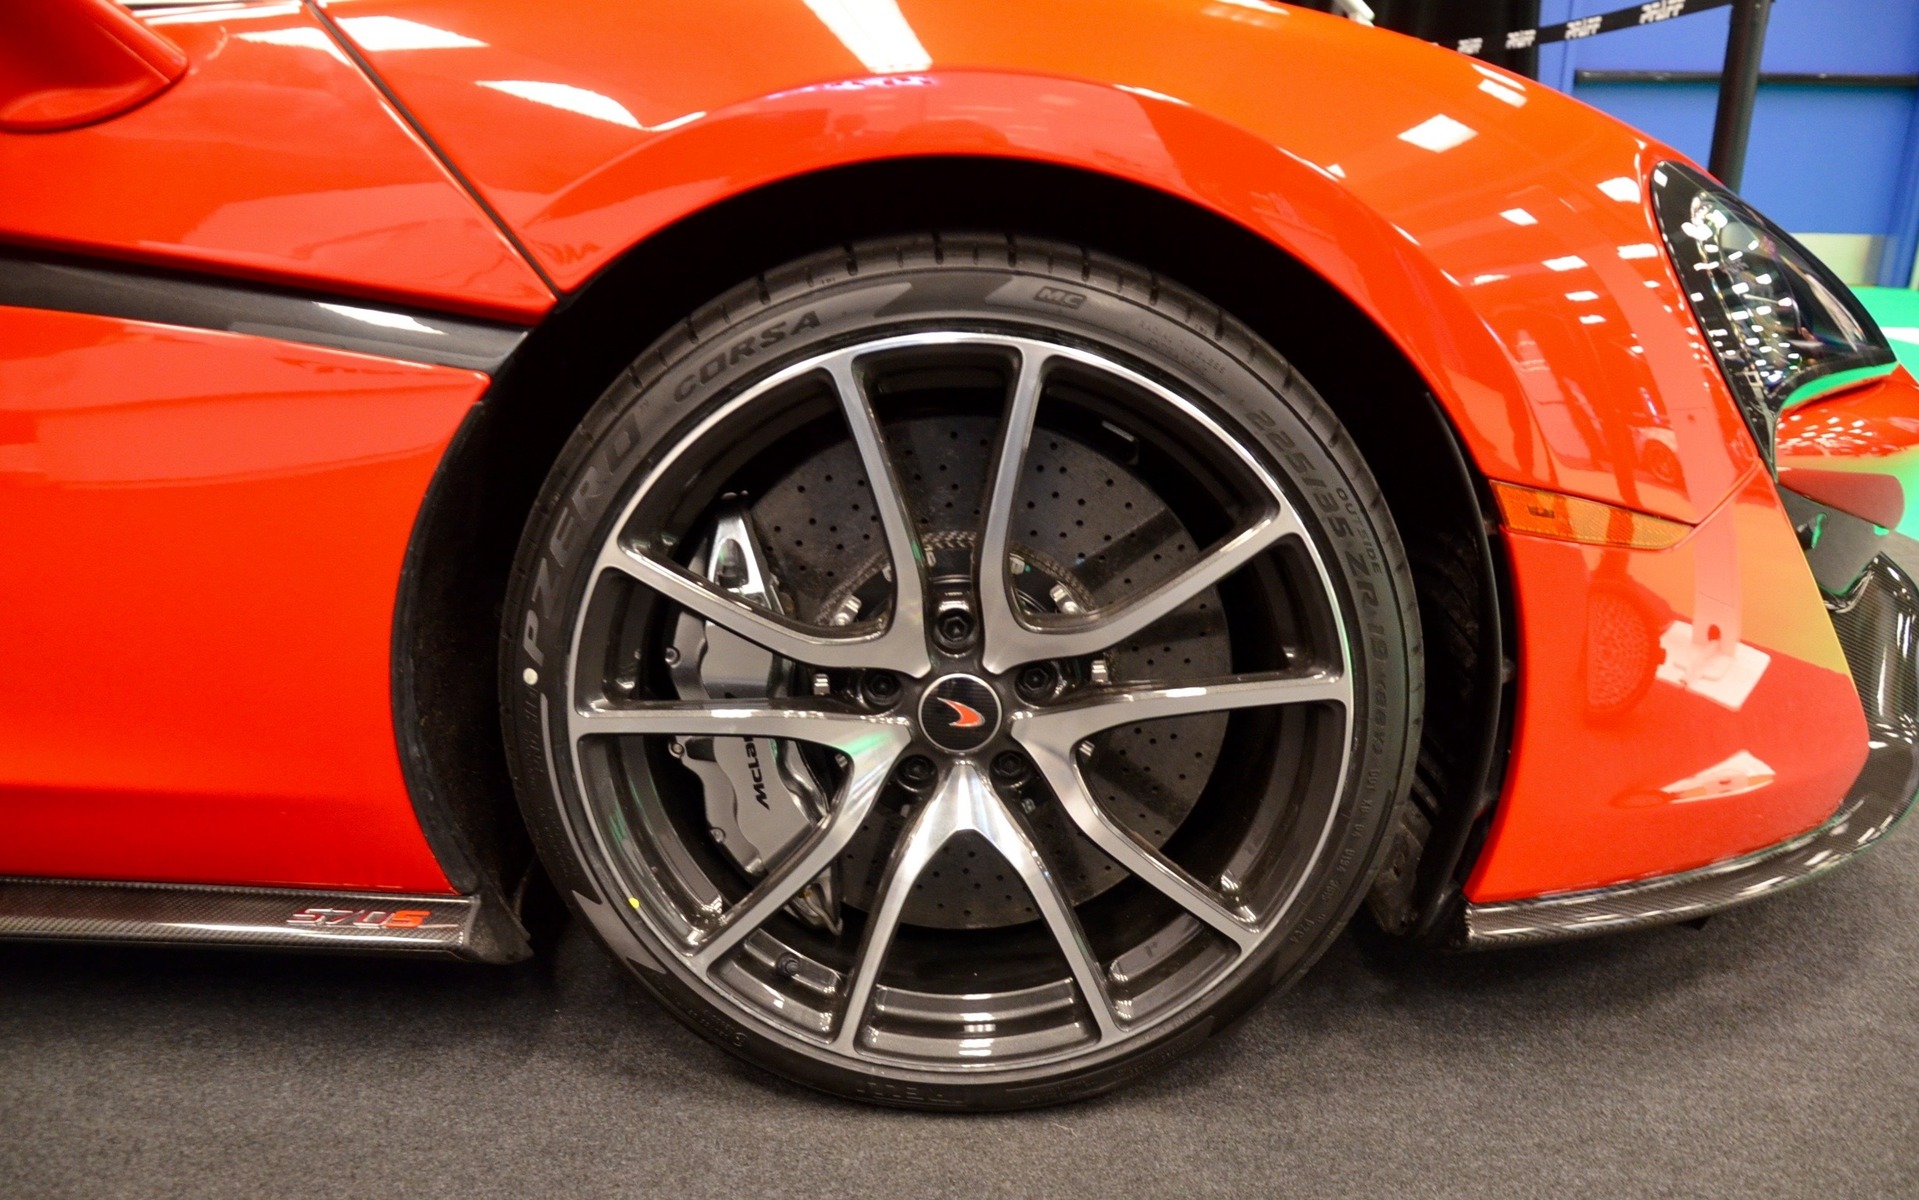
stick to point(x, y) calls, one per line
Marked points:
point(1738, 87)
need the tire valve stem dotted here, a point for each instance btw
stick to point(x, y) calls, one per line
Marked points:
point(789, 965)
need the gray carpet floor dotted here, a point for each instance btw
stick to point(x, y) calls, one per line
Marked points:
point(1773, 1053)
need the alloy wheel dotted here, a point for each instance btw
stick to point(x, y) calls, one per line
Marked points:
point(854, 600)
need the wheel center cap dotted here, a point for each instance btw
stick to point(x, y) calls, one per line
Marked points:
point(959, 713)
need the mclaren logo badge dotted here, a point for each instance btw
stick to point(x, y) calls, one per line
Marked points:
point(965, 716)
point(959, 713)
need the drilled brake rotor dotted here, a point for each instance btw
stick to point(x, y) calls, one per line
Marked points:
point(1083, 521)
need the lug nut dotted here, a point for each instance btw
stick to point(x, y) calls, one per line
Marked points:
point(880, 689)
point(1011, 768)
point(1036, 681)
point(953, 628)
point(916, 773)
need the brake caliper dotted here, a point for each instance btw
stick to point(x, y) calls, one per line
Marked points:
point(761, 797)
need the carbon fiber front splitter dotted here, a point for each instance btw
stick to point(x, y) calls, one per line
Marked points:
point(1878, 627)
point(478, 928)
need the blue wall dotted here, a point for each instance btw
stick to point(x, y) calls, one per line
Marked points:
point(1822, 160)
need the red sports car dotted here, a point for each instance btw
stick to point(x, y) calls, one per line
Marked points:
point(965, 542)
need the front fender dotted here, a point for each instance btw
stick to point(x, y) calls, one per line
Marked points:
point(1495, 230)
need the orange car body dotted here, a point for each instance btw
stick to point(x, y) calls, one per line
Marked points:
point(206, 530)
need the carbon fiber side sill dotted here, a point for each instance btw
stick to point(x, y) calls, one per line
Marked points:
point(475, 928)
point(64, 284)
point(1878, 627)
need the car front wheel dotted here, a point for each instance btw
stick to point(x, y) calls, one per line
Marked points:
point(961, 671)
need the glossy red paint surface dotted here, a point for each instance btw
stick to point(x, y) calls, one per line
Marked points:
point(1495, 228)
point(202, 544)
point(274, 158)
point(68, 62)
point(1677, 707)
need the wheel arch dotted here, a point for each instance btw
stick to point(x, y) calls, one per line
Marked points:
point(458, 562)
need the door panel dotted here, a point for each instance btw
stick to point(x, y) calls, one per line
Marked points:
point(274, 158)
point(199, 558)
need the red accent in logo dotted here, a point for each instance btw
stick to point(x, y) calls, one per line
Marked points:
point(965, 716)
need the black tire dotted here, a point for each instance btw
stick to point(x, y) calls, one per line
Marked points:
point(949, 281)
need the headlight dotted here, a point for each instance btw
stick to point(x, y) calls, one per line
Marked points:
point(1784, 328)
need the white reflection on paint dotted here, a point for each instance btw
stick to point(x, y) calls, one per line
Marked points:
point(1439, 133)
point(1150, 94)
point(1499, 90)
point(566, 96)
point(1737, 774)
point(876, 32)
point(1622, 189)
point(305, 39)
point(397, 33)
point(1705, 667)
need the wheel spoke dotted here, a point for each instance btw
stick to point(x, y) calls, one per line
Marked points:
point(1000, 626)
point(1051, 737)
point(871, 744)
point(1149, 865)
point(966, 803)
point(916, 848)
point(903, 644)
point(1070, 637)
point(996, 824)
point(787, 638)
point(1060, 729)
point(867, 772)
point(852, 734)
